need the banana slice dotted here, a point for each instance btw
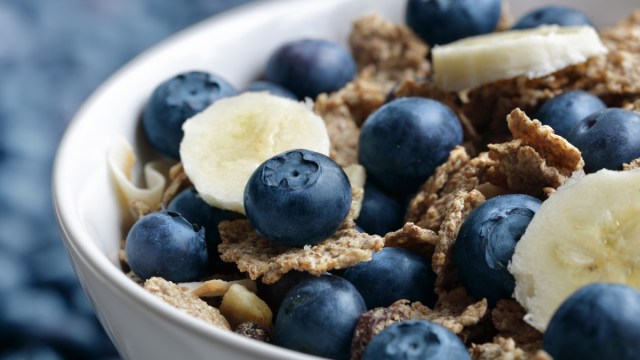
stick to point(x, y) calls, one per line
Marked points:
point(537, 52)
point(226, 142)
point(587, 231)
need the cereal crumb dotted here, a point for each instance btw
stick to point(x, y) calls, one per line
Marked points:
point(182, 299)
point(414, 238)
point(504, 349)
point(262, 258)
point(374, 321)
point(508, 319)
point(537, 158)
point(634, 164)
point(253, 331)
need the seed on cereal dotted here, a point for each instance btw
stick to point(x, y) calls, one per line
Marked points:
point(478, 60)
point(403, 142)
point(297, 198)
point(552, 14)
point(226, 142)
point(599, 321)
point(585, 232)
point(607, 139)
point(176, 100)
point(486, 241)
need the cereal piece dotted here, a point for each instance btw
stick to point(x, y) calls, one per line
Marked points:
point(357, 177)
point(253, 331)
point(374, 321)
point(635, 164)
point(632, 105)
point(182, 299)
point(506, 20)
point(393, 50)
point(217, 287)
point(342, 129)
point(241, 305)
point(504, 349)
point(428, 207)
point(139, 209)
point(536, 159)
point(259, 257)
point(136, 279)
point(179, 181)
point(442, 261)
point(508, 318)
point(414, 238)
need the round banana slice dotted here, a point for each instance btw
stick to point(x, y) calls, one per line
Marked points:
point(225, 143)
point(587, 231)
point(533, 53)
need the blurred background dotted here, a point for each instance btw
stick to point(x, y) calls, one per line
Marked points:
point(53, 54)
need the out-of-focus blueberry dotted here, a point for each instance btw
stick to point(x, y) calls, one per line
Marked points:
point(486, 242)
point(318, 317)
point(441, 22)
point(32, 351)
point(296, 198)
point(393, 274)
point(552, 15)
point(403, 142)
point(599, 321)
point(607, 139)
point(165, 244)
point(415, 339)
point(176, 100)
point(309, 67)
point(380, 213)
point(272, 88)
point(192, 207)
point(564, 111)
point(14, 273)
point(51, 267)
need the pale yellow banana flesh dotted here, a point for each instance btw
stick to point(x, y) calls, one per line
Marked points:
point(226, 142)
point(533, 53)
point(588, 231)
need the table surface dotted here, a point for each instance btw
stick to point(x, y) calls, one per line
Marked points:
point(52, 55)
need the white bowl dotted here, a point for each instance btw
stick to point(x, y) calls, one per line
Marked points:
point(234, 45)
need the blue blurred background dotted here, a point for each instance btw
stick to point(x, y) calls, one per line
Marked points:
point(53, 53)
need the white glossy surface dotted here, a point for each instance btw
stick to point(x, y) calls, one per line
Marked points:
point(236, 46)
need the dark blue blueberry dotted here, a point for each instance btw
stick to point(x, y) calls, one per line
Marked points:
point(51, 268)
point(176, 100)
point(310, 67)
point(297, 198)
point(192, 207)
point(607, 139)
point(32, 352)
point(273, 294)
point(393, 274)
point(380, 213)
point(165, 244)
point(564, 111)
point(552, 15)
point(444, 21)
point(271, 88)
point(486, 242)
point(415, 340)
point(403, 142)
point(318, 317)
point(599, 321)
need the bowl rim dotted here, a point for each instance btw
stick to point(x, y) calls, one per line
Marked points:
point(76, 237)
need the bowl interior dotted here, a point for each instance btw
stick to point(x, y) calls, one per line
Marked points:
point(235, 46)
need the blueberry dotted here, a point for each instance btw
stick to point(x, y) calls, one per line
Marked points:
point(176, 100)
point(599, 321)
point(444, 21)
point(297, 198)
point(165, 244)
point(380, 213)
point(309, 67)
point(403, 142)
point(393, 274)
point(415, 340)
point(318, 317)
point(564, 111)
point(486, 242)
point(607, 139)
point(552, 15)
point(271, 88)
point(192, 207)
point(273, 294)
